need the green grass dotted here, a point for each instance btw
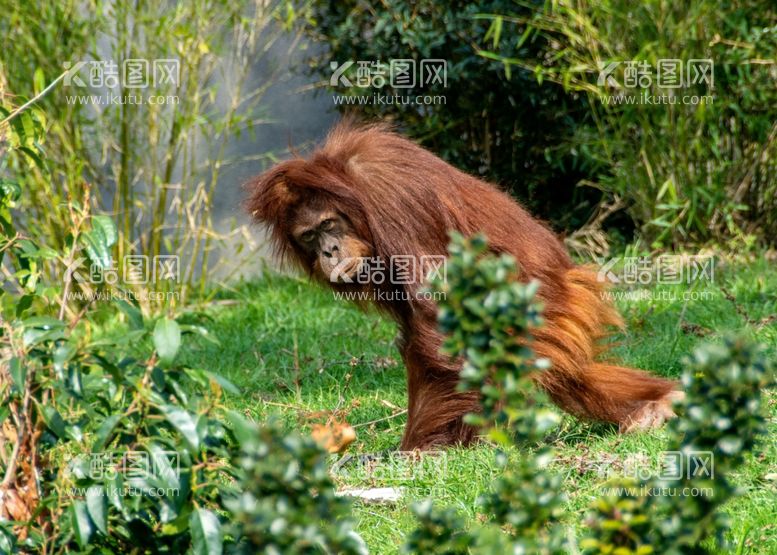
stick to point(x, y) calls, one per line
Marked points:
point(295, 351)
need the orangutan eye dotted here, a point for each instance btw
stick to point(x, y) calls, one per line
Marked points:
point(327, 224)
point(308, 236)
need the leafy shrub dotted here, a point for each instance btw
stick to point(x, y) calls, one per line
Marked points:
point(488, 318)
point(487, 315)
point(722, 416)
point(109, 445)
point(120, 450)
point(285, 500)
point(80, 410)
point(687, 172)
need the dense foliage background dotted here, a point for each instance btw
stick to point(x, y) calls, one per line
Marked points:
point(524, 108)
point(507, 128)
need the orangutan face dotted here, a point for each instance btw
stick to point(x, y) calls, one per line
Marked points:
point(330, 240)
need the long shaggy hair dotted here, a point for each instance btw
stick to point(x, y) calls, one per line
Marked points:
point(403, 200)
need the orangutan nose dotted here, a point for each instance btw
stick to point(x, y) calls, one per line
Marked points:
point(331, 250)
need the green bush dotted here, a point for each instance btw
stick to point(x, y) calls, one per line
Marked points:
point(687, 172)
point(722, 420)
point(488, 316)
point(285, 500)
point(109, 444)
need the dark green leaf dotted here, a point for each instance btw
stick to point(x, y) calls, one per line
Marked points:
point(53, 420)
point(18, 373)
point(185, 423)
point(167, 339)
point(244, 429)
point(104, 432)
point(206, 533)
point(98, 241)
point(133, 313)
point(97, 506)
point(82, 525)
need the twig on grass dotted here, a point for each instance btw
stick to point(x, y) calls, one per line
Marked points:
point(389, 417)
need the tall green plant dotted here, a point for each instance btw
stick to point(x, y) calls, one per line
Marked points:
point(107, 443)
point(487, 315)
point(156, 155)
point(689, 171)
point(69, 400)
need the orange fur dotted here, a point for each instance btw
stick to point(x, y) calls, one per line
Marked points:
point(572, 340)
point(403, 200)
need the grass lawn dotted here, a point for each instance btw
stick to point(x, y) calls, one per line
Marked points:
point(298, 353)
